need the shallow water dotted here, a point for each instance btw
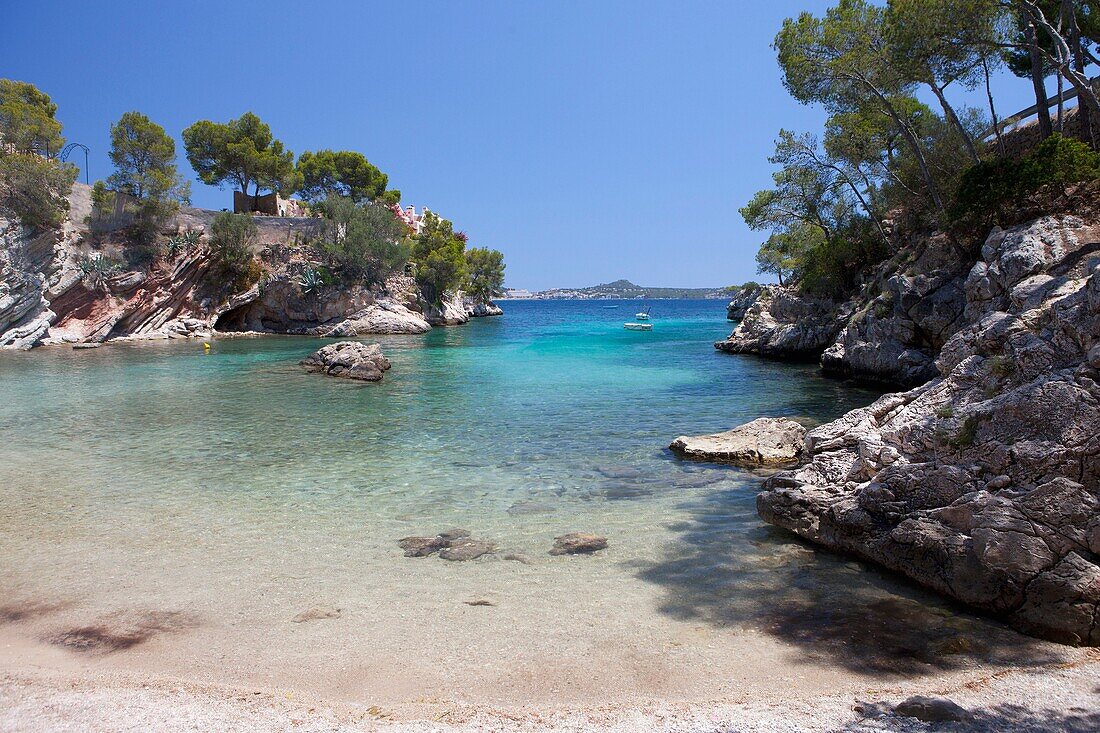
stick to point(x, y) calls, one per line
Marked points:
point(170, 510)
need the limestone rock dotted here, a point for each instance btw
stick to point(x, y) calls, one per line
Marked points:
point(478, 309)
point(384, 317)
point(350, 360)
point(781, 323)
point(741, 302)
point(766, 441)
point(984, 483)
point(578, 543)
point(451, 544)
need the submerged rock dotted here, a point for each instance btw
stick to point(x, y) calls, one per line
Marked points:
point(578, 543)
point(349, 359)
point(316, 613)
point(421, 546)
point(465, 548)
point(451, 544)
point(766, 441)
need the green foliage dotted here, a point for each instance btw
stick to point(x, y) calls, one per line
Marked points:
point(993, 191)
point(783, 255)
point(438, 254)
point(311, 280)
point(945, 412)
point(146, 175)
point(36, 188)
point(342, 173)
point(145, 160)
point(28, 121)
point(485, 273)
point(231, 241)
point(95, 269)
point(1002, 366)
point(183, 242)
point(243, 152)
point(967, 432)
point(363, 242)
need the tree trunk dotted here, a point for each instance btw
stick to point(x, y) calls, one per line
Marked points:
point(993, 110)
point(1037, 83)
point(953, 119)
point(1073, 39)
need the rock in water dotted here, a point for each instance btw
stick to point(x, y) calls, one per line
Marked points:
point(464, 548)
point(384, 317)
point(578, 543)
point(349, 359)
point(421, 546)
point(766, 441)
point(931, 709)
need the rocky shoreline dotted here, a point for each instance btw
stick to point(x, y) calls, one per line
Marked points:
point(983, 482)
point(47, 296)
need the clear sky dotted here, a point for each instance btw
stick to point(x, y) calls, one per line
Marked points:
point(586, 140)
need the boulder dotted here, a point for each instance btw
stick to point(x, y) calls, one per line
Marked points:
point(931, 709)
point(766, 441)
point(785, 324)
point(466, 548)
point(578, 543)
point(384, 317)
point(350, 360)
point(479, 309)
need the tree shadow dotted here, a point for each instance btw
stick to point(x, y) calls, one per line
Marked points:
point(1000, 718)
point(833, 608)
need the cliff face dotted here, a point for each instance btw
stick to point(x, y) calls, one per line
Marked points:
point(47, 296)
point(983, 483)
point(890, 331)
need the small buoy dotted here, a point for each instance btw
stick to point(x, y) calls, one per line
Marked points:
point(205, 346)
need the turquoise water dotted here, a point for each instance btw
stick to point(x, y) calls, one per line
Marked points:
point(232, 490)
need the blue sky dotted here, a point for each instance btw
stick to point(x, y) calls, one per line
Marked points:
point(586, 140)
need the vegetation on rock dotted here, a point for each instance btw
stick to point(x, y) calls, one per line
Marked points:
point(884, 151)
point(33, 184)
point(485, 274)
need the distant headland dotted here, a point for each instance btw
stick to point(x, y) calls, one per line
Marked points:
point(620, 289)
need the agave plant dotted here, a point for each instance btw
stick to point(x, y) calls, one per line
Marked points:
point(311, 280)
point(95, 269)
point(183, 242)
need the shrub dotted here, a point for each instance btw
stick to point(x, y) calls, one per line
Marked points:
point(362, 242)
point(36, 188)
point(231, 239)
point(993, 192)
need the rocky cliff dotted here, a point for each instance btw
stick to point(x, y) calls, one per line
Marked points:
point(53, 289)
point(890, 331)
point(984, 482)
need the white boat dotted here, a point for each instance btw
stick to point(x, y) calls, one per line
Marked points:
point(638, 326)
point(643, 316)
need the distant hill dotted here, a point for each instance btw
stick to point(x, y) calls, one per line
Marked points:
point(624, 289)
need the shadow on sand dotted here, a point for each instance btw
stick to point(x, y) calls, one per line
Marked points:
point(834, 609)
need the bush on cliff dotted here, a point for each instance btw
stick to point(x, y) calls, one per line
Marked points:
point(362, 242)
point(35, 188)
point(1004, 191)
point(231, 241)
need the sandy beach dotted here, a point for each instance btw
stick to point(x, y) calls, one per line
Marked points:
point(47, 696)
